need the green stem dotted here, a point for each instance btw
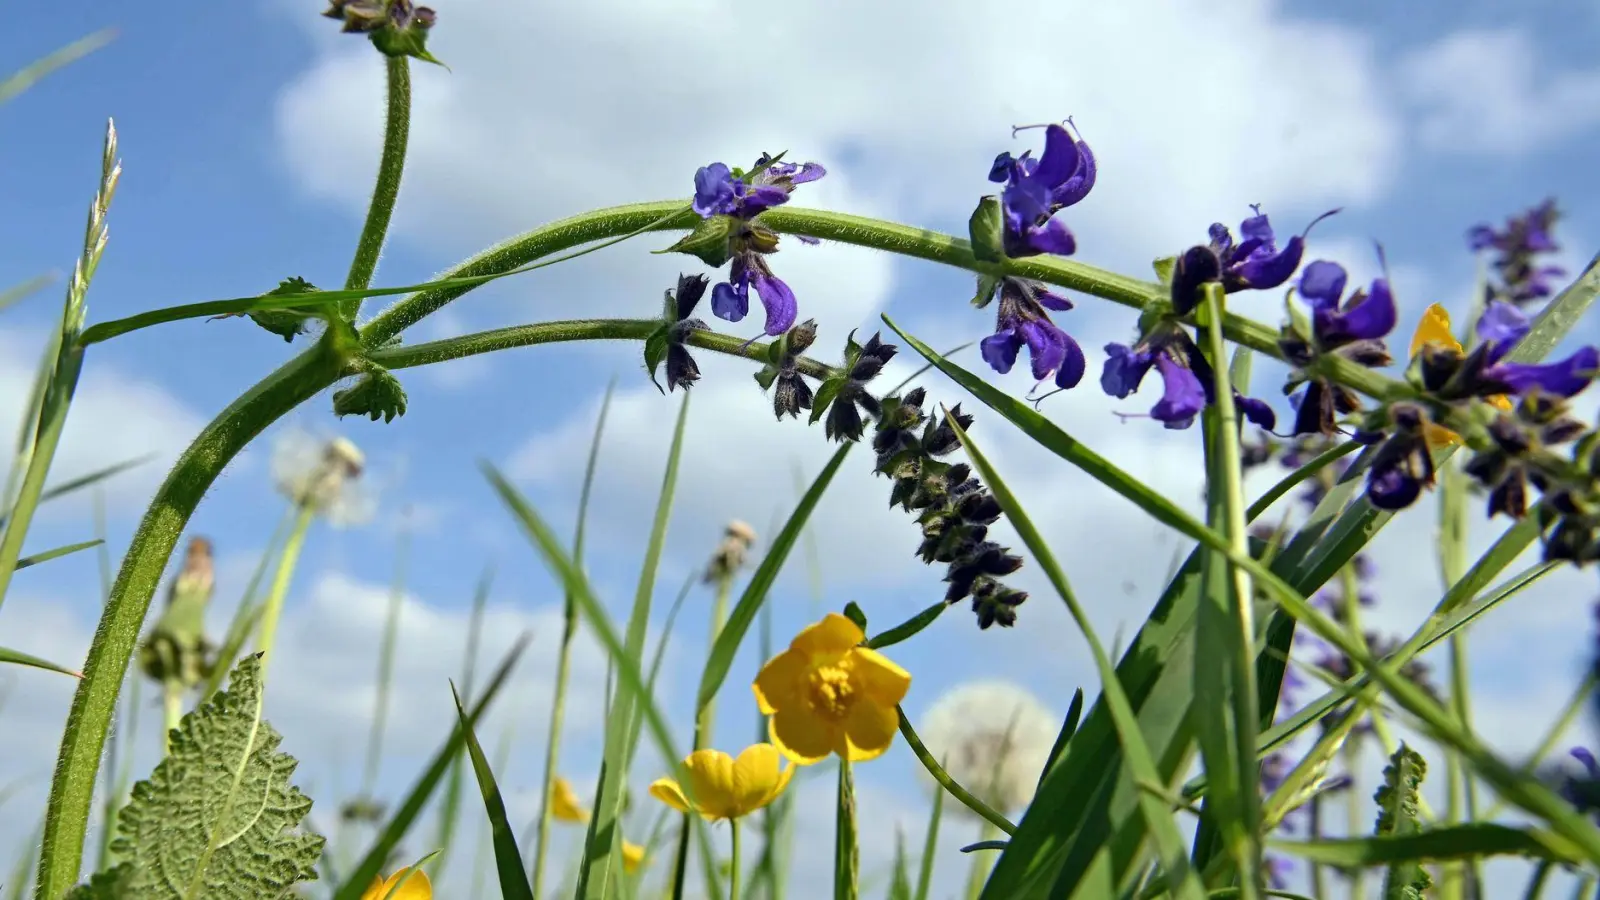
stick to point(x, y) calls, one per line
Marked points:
point(703, 728)
point(172, 707)
point(1319, 886)
point(83, 738)
point(733, 865)
point(273, 609)
point(979, 872)
point(945, 781)
point(63, 383)
point(391, 165)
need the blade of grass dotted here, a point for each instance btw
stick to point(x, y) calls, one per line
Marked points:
point(1136, 753)
point(18, 658)
point(417, 798)
point(450, 807)
point(558, 705)
point(15, 84)
point(626, 667)
point(17, 293)
point(58, 552)
point(89, 480)
point(507, 858)
point(391, 632)
point(602, 865)
point(248, 613)
point(930, 848)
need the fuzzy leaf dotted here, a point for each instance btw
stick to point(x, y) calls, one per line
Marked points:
point(826, 392)
point(1397, 800)
point(218, 817)
point(376, 395)
point(986, 230)
point(655, 351)
point(708, 242)
point(987, 285)
point(285, 323)
point(110, 885)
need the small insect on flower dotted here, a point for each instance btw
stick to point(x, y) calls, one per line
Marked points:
point(827, 694)
point(406, 884)
point(994, 738)
point(724, 787)
point(564, 803)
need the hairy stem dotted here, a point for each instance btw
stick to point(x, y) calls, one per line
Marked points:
point(396, 132)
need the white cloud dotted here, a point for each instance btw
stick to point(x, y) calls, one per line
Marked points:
point(1484, 92)
point(116, 417)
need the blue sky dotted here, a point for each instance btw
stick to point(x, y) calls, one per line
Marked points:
point(249, 136)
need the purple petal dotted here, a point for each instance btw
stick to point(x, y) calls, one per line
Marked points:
point(1257, 228)
point(1565, 378)
point(1053, 237)
point(1504, 324)
point(761, 198)
point(1124, 370)
point(1262, 271)
point(1322, 283)
point(1081, 183)
point(1372, 318)
point(1582, 755)
point(1045, 345)
point(1392, 488)
point(778, 300)
point(1001, 170)
point(1025, 202)
point(808, 172)
point(1000, 350)
point(713, 190)
point(1053, 301)
point(729, 303)
point(1256, 411)
point(1060, 159)
point(1073, 364)
point(1481, 237)
point(1184, 396)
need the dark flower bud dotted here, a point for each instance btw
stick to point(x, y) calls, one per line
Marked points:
point(1195, 268)
point(801, 337)
point(981, 508)
point(790, 395)
point(915, 398)
point(996, 604)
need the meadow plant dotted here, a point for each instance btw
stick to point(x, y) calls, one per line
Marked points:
point(1108, 803)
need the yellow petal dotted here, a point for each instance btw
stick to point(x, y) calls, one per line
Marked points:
point(1501, 402)
point(417, 887)
point(667, 791)
point(711, 777)
point(755, 777)
point(632, 857)
point(869, 729)
point(880, 679)
point(835, 634)
point(801, 736)
point(1434, 328)
point(564, 803)
point(1439, 436)
point(784, 776)
point(781, 680)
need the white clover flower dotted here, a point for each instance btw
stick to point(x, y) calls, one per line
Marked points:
point(322, 472)
point(993, 737)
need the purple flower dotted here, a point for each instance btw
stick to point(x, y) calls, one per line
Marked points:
point(723, 193)
point(1254, 263)
point(1403, 464)
point(1353, 328)
point(1022, 320)
point(1583, 790)
point(1187, 380)
point(1451, 375)
point(1035, 190)
point(1522, 278)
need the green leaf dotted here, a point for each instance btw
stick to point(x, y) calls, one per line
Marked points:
point(285, 323)
point(900, 883)
point(507, 858)
point(377, 394)
point(218, 818)
point(854, 613)
point(1470, 840)
point(1398, 799)
point(417, 798)
point(116, 884)
point(1559, 316)
point(57, 553)
point(986, 230)
point(18, 658)
point(655, 351)
point(987, 285)
point(1069, 727)
point(826, 391)
point(909, 627)
point(930, 847)
point(720, 660)
point(708, 242)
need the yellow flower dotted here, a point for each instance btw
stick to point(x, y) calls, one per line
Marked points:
point(564, 803)
point(417, 887)
point(632, 857)
point(827, 695)
point(724, 787)
point(1435, 329)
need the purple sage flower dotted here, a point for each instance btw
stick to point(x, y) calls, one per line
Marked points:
point(1353, 328)
point(1021, 320)
point(1254, 263)
point(1036, 189)
point(1188, 382)
point(1516, 250)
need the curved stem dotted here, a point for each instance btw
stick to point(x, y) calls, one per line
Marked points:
point(945, 781)
point(83, 738)
point(396, 131)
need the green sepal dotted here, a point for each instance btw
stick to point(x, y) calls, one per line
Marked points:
point(377, 394)
point(986, 230)
point(708, 242)
point(766, 376)
point(1164, 267)
point(410, 41)
point(1299, 322)
point(854, 613)
point(987, 285)
point(655, 351)
point(824, 396)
